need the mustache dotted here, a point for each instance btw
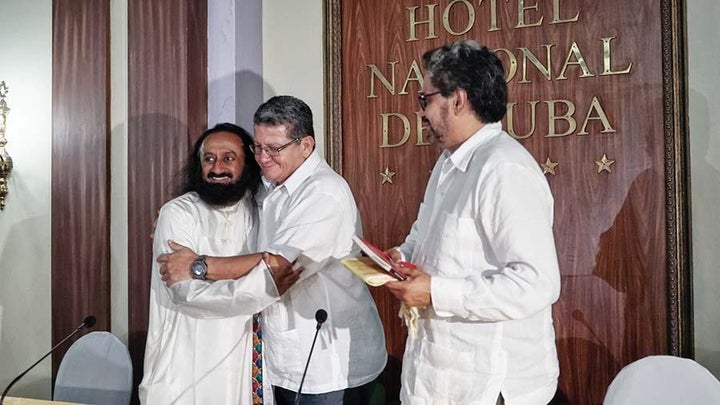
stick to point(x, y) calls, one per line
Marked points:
point(213, 175)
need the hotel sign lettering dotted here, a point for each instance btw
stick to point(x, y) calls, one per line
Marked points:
point(523, 64)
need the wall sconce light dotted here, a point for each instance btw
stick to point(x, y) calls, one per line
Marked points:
point(6, 163)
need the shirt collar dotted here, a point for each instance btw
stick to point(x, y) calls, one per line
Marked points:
point(461, 157)
point(301, 173)
point(231, 209)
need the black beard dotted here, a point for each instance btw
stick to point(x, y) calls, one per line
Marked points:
point(430, 134)
point(221, 194)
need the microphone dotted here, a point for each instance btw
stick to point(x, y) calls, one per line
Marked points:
point(88, 322)
point(320, 317)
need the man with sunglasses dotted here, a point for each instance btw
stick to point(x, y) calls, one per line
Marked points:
point(308, 214)
point(487, 271)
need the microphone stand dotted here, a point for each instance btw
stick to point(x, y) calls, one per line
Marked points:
point(320, 317)
point(88, 322)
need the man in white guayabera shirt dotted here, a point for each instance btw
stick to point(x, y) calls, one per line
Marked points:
point(483, 243)
point(189, 360)
point(308, 214)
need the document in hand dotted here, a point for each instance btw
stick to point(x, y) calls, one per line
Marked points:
point(382, 259)
point(369, 272)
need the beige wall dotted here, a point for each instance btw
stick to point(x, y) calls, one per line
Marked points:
point(26, 67)
point(293, 58)
point(704, 99)
point(293, 63)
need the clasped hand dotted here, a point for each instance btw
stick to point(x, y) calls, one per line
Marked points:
point(175, 266)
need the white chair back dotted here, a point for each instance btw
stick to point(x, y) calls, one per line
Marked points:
point(95, 370)
point(660, 380)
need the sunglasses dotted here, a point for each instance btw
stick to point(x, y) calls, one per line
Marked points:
point(424, 98)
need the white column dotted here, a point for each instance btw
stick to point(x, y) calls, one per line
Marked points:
point(119, 169)
point(234, 61)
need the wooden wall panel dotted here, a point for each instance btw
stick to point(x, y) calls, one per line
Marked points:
point(80, 176)
point(167, 111)
point(613, 87)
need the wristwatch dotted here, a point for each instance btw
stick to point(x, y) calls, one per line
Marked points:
point(198, 268)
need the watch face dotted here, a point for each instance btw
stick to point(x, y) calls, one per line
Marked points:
point(198, 269)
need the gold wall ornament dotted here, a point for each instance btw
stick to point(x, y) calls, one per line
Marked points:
point(6, 163)
point(387, 175)
point(548, 166)
point(604, 164)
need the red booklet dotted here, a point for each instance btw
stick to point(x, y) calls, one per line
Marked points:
point(382, 259)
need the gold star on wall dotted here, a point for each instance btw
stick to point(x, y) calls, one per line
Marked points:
point(548, 166)
point(604, 164)
point(387, 175)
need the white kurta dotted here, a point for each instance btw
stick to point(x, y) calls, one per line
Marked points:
point(202, 361)
point(484, 234)
point(311, 217)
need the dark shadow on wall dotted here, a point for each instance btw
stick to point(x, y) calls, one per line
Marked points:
point(157, 147)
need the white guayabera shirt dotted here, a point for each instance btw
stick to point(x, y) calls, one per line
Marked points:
point(484, 234)
point(312, 217)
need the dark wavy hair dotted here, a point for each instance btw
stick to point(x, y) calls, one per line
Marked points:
point(190, 177)
point(474, 68)
point(286, 110)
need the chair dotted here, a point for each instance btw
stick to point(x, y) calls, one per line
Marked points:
point(95, 370)
point(660, 380)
